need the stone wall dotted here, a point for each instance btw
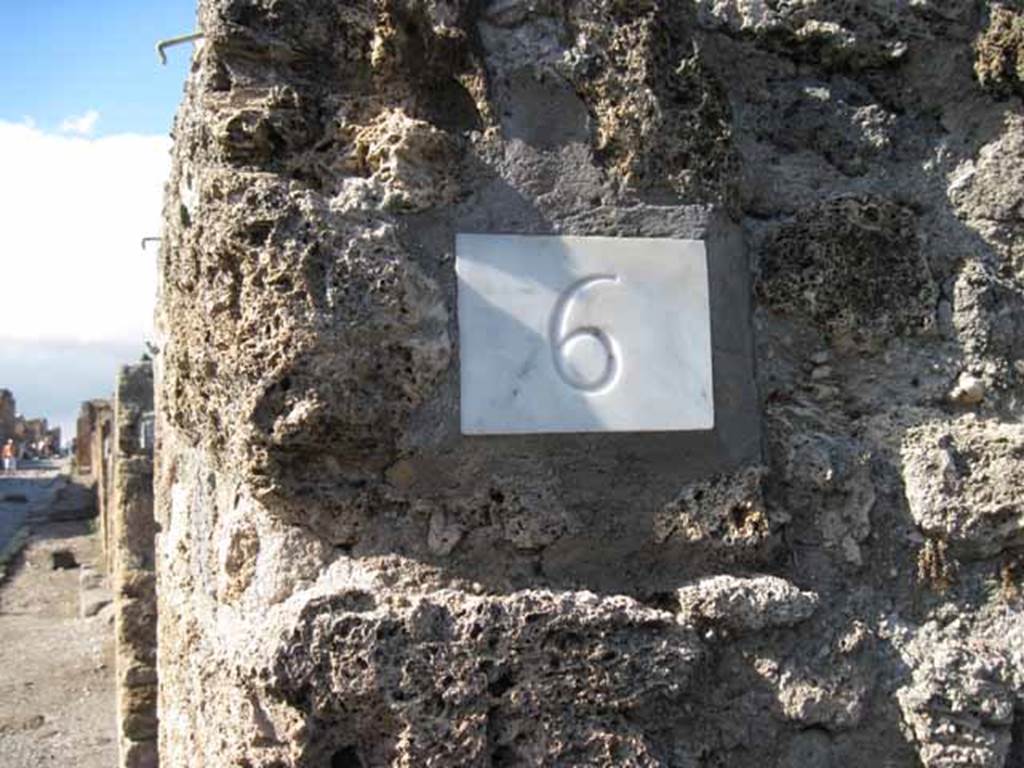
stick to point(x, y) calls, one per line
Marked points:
point(92, 415)
point(33, 430)
point(101, 464)
point(8, 415)
point(133, 530)
point(36, 438)
point(831, 577)
point(55, 440)
point(32, 436)
point(83, 440)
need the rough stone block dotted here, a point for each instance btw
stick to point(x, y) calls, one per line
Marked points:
point(137, 707)
point(963, 481)
point(139, 754)
point(132, 542)
point(92, 601)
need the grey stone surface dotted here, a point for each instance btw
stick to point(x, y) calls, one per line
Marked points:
point(745, 604)
point(92, 601)
point(964, 480)
point(75, 500)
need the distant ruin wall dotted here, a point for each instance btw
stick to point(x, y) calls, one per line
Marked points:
point(83, 440)
point(8, 415)
point(131, 557)
point(101, 458)
point(833, 576)
point(32, 436)
point(93, 416)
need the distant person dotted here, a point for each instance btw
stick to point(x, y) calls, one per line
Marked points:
point(10, 461)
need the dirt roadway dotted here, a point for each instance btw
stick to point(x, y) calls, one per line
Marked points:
point(56, 670)
point(24, 494)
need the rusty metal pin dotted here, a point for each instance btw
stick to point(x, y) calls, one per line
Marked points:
point(162, 45)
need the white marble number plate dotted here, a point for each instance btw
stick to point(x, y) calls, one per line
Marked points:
point(583, 334)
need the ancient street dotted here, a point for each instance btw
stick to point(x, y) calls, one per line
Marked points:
point(56, 684)
point(30, 489)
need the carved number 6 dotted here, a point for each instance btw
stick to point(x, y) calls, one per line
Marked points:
point(582, 342)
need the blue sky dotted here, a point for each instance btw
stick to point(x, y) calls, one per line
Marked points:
point(85, 113)
point(66, 57)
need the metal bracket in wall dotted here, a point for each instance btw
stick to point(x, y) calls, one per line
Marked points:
point(150, 240)
point(165, 44)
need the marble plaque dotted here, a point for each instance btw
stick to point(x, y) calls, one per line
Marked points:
point(583, 334)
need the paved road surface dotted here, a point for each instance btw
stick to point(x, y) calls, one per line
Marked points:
point(29, 490)
point(56, 669)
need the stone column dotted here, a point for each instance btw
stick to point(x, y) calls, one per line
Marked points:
point(8, 415)
point(832, 575)
point(101, 452)
point(345, 578)
point(133, 530)
point(83, 439)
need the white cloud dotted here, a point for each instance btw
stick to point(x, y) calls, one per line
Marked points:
point(82, 125)
point(72, 212)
